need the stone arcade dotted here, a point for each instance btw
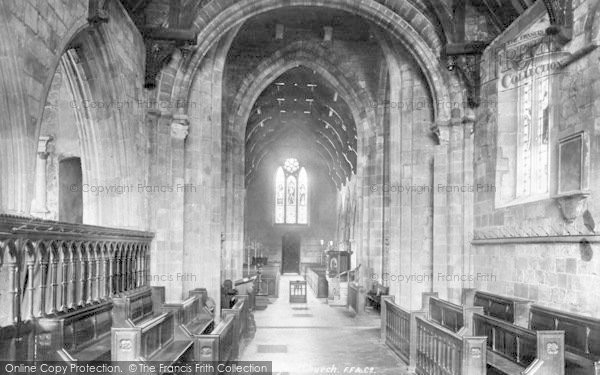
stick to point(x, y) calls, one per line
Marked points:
point(340, 186)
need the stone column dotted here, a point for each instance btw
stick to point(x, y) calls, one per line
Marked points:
point(453, 209)
point(440, 207)
point(179, 132)
point(39, 205)
point(469, 200)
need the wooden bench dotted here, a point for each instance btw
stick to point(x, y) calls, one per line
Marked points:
point(517, 350)
point(441, 351)
point(510, 309)
point(240, 313)
point(142, 331)
point(582, 337)
point(399, 330)
point(191, 318)
point(17, 342)
point(317, 280)
point(446, 314)
point(456, 318)
point(79, 335)
point(150, 340)
point(373, 297)
point(135, 306)
point(218, 345)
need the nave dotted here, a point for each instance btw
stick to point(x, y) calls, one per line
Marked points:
point(316, 338)
point(166, 165)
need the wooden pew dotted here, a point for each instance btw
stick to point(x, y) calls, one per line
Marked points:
point(408, 333)
point(373, 297)
point(17, 342)
point(582, 337)
point(135, 306)
point(441, 351)
point(456, 318)
point(517, 350)
point(150, 340)
point(510, 309)
point(219, 345)
point(141, 332)
point(79, 335)
point(191, 317)
point(316, 279)
point(239, 311)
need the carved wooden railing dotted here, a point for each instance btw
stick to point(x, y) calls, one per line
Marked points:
point(51, 266)
point(441, 351)
point(425, 345)
point(397, 329)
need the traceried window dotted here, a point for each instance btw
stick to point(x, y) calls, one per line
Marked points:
point(291, 193)
point(533, 138)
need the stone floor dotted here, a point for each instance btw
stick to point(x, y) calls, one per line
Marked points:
point(315, 338)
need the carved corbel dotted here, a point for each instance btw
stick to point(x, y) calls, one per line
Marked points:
point(469, 67)
point(571, 205)
point(98, 11)
point(442, 132)
point(161, 43)
point(560, 13)
point(465, 58)
point(180, 127)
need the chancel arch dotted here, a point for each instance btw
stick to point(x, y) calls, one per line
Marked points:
point(424, 47)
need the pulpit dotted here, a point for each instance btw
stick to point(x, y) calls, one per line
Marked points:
point(337, 262)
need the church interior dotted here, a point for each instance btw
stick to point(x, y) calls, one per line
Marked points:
point(300, 187)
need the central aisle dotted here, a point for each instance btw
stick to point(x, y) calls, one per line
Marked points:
point(315, 338)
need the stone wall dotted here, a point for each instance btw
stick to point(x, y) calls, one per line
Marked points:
point(548, 265)
point(109, 67)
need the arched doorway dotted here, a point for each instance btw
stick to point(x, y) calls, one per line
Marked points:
point(290, 253)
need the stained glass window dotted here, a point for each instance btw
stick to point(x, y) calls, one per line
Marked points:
point(302, 195)
point(291, 193)
point(279, 196)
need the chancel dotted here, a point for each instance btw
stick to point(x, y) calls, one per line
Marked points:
point(300, 186)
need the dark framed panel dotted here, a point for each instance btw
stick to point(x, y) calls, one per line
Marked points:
point(571, 164)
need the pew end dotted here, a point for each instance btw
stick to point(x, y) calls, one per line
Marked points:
point(582, 336)
point(151, 340)
point(217, 345)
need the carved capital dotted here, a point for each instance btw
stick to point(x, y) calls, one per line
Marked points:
point(179, 131)
point(560, 13)
point(98, 11)
point(469, 67)
point(158, 54)
point(43, 143)
point(441, 132)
